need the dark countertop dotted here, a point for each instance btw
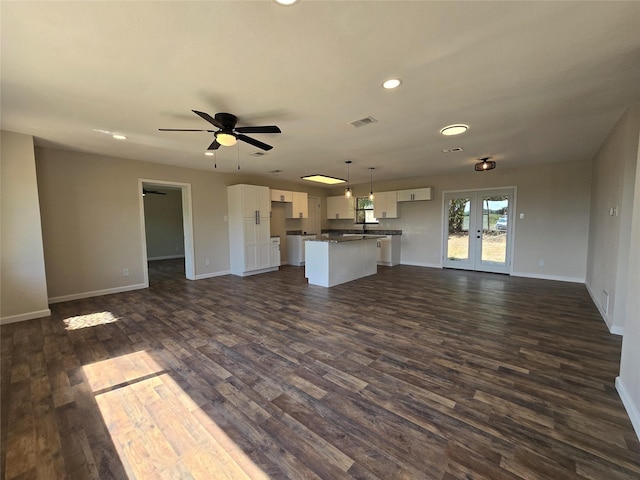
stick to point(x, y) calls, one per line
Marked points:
point(341, 239)
point(369, 231)
point(300, 232)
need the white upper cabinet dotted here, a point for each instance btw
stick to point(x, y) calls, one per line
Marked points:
point(385, 205)
point(299, 207)
point(414, 195)
point(253, 199)
point(281, 196)
point(296, 203)
point(341, 207)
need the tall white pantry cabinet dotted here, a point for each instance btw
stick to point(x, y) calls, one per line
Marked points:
point(249, 229)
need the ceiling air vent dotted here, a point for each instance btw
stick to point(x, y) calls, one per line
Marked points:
point(363, 122)
point(257, 154)
point(274, 171)
point(454, 149)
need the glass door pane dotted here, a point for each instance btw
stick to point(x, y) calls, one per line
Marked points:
point(458, 245)
point(495, 214)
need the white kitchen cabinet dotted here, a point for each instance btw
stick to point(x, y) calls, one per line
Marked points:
point(275, 252)
point(249, 229)
point(389, 250)
point(281, 196)
point(341, 207)
point(296, 248)
point(299, 206)
point(414, 195)
point(385, 205)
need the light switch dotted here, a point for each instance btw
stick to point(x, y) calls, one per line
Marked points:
point(522, 216)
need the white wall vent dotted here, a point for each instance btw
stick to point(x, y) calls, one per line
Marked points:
point(605, 302)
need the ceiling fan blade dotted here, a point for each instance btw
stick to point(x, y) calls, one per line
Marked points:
point(183, 130)
point(209, 119)
point(258, 129)
point(214, 146)
point(254, 142)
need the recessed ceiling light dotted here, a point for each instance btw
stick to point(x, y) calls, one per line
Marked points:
point(286, 2)
point(454, 129)
point(392, 83)
point(117, 136)
point(209, 154)
point(323, 179)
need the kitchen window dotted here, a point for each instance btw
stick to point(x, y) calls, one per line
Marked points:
point(364, 211)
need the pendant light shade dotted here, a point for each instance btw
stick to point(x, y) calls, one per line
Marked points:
point(485, 164)
point(348, 192)
point(371, 169)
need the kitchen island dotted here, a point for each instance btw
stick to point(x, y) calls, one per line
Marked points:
point(335, 260)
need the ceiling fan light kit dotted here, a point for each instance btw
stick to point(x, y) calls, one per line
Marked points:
point(485, 164)
point(226, 139)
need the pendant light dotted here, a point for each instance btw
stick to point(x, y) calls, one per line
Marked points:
point(371, 169)
point(347, 192)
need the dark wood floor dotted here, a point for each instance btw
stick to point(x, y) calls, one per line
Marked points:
point(413, 373)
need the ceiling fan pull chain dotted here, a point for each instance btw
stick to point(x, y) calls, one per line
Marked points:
point(238, 156)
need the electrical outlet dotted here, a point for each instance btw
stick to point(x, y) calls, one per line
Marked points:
point(541, 263)
point(125, 272)
point(207, 262)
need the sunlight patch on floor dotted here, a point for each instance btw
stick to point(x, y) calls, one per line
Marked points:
point(89, 320)
point(158, 430)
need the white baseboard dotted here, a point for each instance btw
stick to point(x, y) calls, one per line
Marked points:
point(557, 278)
point(630, 407)
point(612, 328)
point(212, 274)
point(166, 257)
point(97, 293)
point(22, 317)
point(420, 264)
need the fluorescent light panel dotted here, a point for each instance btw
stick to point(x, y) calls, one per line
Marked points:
point(324, 179)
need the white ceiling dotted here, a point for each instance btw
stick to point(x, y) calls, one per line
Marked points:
point(538, 82)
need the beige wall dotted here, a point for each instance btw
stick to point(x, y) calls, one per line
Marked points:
point(629, 381)
point(614, 171)
point(92, 226)
point(23, 291)
point(614, 248)
point(553, 198)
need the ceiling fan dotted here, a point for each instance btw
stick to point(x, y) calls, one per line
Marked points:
point(227, 133)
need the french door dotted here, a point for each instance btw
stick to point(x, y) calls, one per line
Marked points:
point(478, 230)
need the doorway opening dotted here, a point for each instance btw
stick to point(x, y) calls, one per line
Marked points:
point(478, 230)
point(166, 223)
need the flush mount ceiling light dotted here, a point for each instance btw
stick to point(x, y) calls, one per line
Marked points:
point(392, 83)
point(454, 129)
point(323, 179)
point(347, 192)
point(485, 164)
point(118, 136)
point(286, 2)
point(209, 154)
point(226, 139)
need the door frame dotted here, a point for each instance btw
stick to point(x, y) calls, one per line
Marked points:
point(187, 226)
point(510, 228)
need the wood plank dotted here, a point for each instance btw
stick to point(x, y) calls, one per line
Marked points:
point(410, 373)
